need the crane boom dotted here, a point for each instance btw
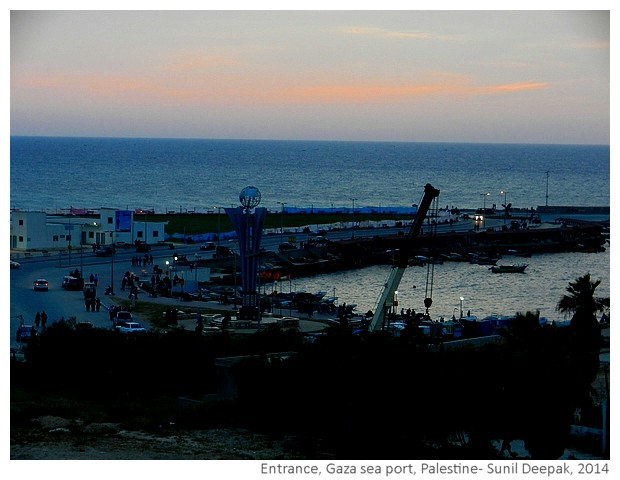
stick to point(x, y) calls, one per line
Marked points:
point(401, 259)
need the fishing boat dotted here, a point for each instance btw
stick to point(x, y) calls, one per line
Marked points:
point(516, 268)
point(480, 259)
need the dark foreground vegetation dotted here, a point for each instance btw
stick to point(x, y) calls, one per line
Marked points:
point(343, 396)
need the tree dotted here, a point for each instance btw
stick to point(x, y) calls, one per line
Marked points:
point(582, 303)
point(585, 341)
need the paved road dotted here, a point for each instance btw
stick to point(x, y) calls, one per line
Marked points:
point(59, 303)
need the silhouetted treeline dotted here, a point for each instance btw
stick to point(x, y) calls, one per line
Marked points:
point(368, 396)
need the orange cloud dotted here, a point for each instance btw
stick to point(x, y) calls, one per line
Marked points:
point(199, 63)
point(237, 90)
point(390, 93)
point(517, 87)
point(381, 33)
point(593, 45)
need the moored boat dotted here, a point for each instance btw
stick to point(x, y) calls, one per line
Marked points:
point(516, 268)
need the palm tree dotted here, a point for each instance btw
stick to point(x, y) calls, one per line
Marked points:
point(586, 331)
point(581, 300)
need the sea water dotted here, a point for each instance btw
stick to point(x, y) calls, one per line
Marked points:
point(173, 174)
point(49, 173)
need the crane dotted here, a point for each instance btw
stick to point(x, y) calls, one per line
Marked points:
point(401, 259)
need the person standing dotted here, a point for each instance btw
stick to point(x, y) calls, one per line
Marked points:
point(37, 320)
point(98, 303)
point(96, 279)
point(43, 319)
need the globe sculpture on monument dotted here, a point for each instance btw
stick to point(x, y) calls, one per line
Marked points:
point(248, 221)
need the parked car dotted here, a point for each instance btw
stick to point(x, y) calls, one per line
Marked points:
point(223, 252)
point(72, 283)
point(122, 317)
point(208, 246)
point(283, 247)
point(130, 327)
point(15, 264)
point(105, 251)
point(41, 284)
point(142, 247)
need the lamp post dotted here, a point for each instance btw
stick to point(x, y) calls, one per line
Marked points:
point(353, 218)
point(505, 193)
point(282, 222)
point(461, 304)
point(484, 201)
point(218, 224)
point(112, 265)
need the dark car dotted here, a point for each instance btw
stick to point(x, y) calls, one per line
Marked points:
point(41, 284)
point(142, 247)
point(105, 251)
point(286, 246)
point(223, 252)
point(72, 283)
point(208, 246)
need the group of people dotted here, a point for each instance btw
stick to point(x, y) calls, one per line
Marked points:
point(138, 261)
point(93, 304)
point(40, 319)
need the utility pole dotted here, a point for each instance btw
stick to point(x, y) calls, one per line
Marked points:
point(282, 222)
point(547, 191)
point(353, 218)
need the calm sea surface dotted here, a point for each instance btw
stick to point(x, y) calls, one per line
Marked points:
point(54, 173)
point(170, 174)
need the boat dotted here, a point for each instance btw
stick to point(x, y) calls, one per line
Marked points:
point(479, 259)
point(516, 268)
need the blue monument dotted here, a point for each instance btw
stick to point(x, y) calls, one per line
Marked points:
point(248, 221)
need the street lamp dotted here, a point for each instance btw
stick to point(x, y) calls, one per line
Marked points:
point(282, 222)
point(353, 218)
point(112, 265)
point(218, 224)
point(505, 193)
point(461, 303)
point(484, 201)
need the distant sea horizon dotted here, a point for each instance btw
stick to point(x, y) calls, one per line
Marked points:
point(171, 174)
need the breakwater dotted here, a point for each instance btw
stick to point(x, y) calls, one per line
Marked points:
point(366, 251)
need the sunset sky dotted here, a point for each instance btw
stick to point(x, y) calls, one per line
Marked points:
point(410, 75)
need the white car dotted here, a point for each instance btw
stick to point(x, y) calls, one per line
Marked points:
point(130, 327)
point(15, 264)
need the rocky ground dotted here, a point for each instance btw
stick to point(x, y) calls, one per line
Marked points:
point(56, 438)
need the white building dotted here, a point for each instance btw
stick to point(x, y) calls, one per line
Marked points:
point(40, 231)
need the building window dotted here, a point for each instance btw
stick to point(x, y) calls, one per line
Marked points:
point(139, 234)
point(21, 221)
point(155, 233)
point(91, 234)
point(21, 239)
point(110, 221)
point(68, 238)
point(55, 238)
